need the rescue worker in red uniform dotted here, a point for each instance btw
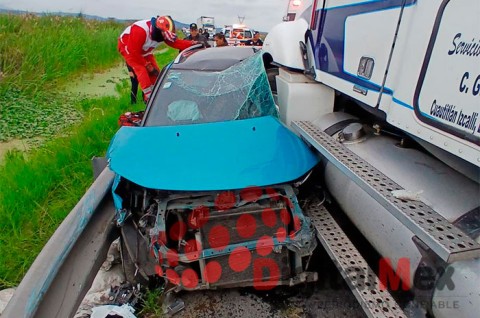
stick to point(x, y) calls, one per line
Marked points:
point(136, 45)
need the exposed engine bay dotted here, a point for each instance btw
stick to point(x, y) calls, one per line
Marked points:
point(218, 239)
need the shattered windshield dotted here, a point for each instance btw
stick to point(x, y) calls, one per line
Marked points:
point(189, 96)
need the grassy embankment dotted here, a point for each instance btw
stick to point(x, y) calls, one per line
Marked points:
point(39, 56)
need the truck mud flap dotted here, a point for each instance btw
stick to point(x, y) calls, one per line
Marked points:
point(362, 280)
point(438, 234)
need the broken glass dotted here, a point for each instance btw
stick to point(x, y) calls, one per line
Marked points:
point(192, 96)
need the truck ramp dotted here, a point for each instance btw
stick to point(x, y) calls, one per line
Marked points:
point(362, 280)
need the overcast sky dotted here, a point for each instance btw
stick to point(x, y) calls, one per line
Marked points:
point(259, 14)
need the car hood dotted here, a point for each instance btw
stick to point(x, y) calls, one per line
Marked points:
point(213, 156)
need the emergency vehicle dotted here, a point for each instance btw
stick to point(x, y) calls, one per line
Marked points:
point(237, 34)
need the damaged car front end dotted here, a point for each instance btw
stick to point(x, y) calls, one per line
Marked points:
point(205, 189)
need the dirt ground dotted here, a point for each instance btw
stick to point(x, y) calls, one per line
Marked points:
point(10, 145)
point(235, 303)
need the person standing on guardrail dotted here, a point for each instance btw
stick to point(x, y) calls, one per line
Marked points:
point(136, 45)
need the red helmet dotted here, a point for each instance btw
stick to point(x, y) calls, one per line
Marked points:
point(165, 23)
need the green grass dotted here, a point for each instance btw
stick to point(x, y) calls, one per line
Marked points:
point(152, 304)
point(37, 190)
point(36, 53)
point(24, 116)
point(40, 187)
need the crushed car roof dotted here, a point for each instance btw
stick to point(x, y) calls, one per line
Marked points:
point(212, 59)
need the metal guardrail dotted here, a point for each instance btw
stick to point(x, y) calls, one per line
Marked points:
point(62, 273)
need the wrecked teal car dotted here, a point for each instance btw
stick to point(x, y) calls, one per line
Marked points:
point(205, 188)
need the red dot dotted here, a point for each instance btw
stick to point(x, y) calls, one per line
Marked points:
point(212, 272)
point(271, 280)
point(264, 245)
point(292, 235)
point(198, 217)
point(246, 226)
point(273, 194)
point(225, 200)
point(240, 259)
point(172, 276)
point(192, 249)
point(158, 270)
point(177, 231)
point(218, 237)
point(189, 278)
point(285, 216)
point(269, 217)
point(251, 194)
point(297, 224)
point(281, 234)
point(172, 258)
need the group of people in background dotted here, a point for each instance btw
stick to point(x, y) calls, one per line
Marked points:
point(202, 36)
point(198, 36)
point(137, 42)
